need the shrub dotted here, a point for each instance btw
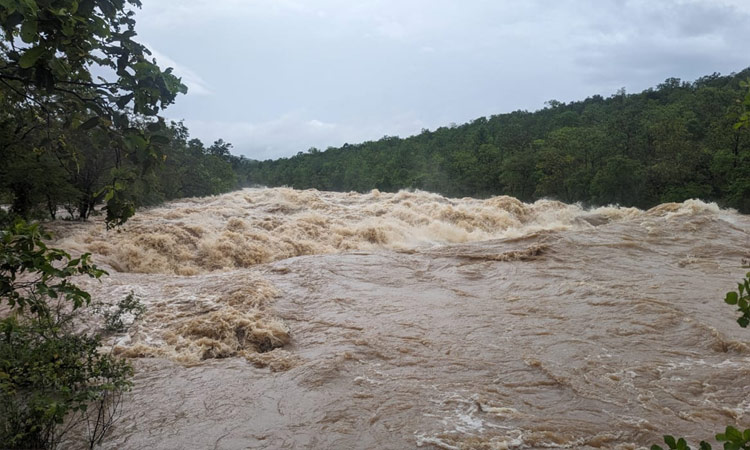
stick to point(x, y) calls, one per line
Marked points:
point(53, 379)
point(127, 311)
point(732, 438)
point(741, 298)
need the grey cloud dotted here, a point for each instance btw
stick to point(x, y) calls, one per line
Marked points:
point(285, 75)
point(297, 131)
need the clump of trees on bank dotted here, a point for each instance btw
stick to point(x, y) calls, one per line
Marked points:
point(669, 143)
point(70, 139)
point(71, 180)
point(79, 116)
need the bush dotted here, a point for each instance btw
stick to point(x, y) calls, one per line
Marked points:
point(741, 298)
point(53, 379)
point(732, 438)
point(127, 311)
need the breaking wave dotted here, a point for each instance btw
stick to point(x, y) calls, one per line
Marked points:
point(255, 226)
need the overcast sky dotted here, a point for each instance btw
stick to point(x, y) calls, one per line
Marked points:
point(275, 77)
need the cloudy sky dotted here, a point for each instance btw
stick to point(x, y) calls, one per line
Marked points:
point(275, 77)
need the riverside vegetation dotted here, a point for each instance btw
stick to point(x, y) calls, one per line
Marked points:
point(59, 128)
point(733, 438)
point(53, 377)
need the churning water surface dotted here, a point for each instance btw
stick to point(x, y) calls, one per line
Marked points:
point(280, 318)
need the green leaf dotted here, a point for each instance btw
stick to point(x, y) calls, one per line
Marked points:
point(124, 100)
point(31, 5)
point(30, 57)
point(733, 433)
point(669, 440)
point(705, 445)
point(29, 31)
point(731, 298)
point(108, 196)
point(68, 28)
point(135, 142)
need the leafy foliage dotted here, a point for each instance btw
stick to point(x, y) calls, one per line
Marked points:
point(744, 119)
point(126, 311)
point(679, 444)
point(50, 47)
point(741, 298)
point(732, 438)
point(54, 110)
point(53, 379)
point(30, 272)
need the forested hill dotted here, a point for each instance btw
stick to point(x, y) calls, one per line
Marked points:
point(669, 143)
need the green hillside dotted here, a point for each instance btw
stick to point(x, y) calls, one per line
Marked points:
point(669, 143)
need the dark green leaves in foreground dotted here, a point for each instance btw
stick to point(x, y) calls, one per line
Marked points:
point(732, 438)
point(77, 95)
point(54, 379)
point(741, 298)
point(679, 444)
point(30, 273)
point(61, 41)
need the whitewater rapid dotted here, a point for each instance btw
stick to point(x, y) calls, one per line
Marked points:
point(302, 319)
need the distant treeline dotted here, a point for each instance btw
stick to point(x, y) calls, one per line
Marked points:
point(669, 143)
point(76, 172)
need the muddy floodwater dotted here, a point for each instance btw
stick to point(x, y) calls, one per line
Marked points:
point(302, 319)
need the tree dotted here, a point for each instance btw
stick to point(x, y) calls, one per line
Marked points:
point(618, 182)
point(51, 49)
point(72, 65)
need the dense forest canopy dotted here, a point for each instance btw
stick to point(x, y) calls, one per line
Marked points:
point(669, 143)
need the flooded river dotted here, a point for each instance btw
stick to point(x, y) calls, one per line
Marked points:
point(302, 319)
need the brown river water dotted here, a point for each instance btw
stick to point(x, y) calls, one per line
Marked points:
point(302, 319)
